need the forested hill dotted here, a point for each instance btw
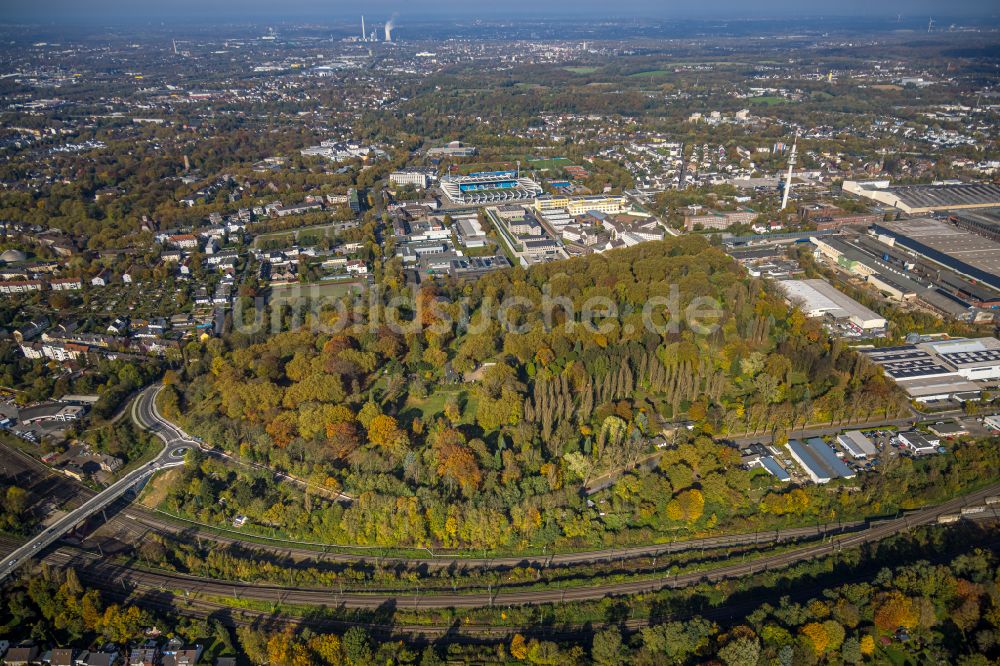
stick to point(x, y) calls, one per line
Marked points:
point(499, 458)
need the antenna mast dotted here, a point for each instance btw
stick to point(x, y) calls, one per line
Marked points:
point(788, 179)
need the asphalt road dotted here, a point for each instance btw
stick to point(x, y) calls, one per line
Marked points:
point(106, 573)
point(172, 455)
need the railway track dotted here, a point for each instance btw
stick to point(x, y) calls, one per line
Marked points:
point(137, 522)
point(104, 573)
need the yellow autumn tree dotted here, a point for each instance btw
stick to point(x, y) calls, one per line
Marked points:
point(519, 647)
point(816, 634)
point(687, 505)
point(384, 431)
point(328, 648)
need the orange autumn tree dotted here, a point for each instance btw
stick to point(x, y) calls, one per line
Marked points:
point(893, 610)
point(455, 460)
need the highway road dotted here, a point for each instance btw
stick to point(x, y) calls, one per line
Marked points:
point(101, 572)
point(172, 455)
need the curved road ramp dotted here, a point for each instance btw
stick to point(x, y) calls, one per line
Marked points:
point(175, 444)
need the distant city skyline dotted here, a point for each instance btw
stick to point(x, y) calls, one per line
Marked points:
point(110, 11)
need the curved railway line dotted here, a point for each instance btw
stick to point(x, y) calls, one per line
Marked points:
point(197, 595)
point(105, 574)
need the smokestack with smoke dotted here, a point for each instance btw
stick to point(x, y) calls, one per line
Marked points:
point(390, 24)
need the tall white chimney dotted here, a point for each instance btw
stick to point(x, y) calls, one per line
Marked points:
point(364, 35)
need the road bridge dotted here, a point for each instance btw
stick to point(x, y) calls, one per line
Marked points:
point(175, 444)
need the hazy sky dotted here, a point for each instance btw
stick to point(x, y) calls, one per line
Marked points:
point(241, 10)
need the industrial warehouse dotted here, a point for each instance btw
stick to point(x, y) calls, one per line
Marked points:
point(818, 298)
point(904, 277)
point(923, 199)
point(939, 370)
point(945, 243)
point(819, 461)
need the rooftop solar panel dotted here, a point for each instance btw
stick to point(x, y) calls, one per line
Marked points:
point(963, 358)
point(909, 372)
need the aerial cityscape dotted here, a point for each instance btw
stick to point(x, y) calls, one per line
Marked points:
point(555, 335)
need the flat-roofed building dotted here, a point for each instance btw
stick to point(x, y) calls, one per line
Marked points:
point(775, 469)
point(927, 375)
point(51, 411)
point(917, 199)
point(819, 298)
point(948, 429)
point(900, 289)
point(857, 444)
point(453, 149)
point(828, 458)
point(470, 232)
point(813, 469)
point(416, 176)
point(975, 359)
point(919, 443)
point(931, 389)
point(719, 220)
point(983, 221)
point(574, 206)
point(948, 245)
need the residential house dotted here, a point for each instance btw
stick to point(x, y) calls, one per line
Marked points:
point(183, 241)
point(32, 329)
point(147, 655)
point(66, 284)
point(62, 657)
point(182, 657)
point(101, 279)
point(21, 656)
point(118, 327)
point(102, 659)
point(21, 286)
